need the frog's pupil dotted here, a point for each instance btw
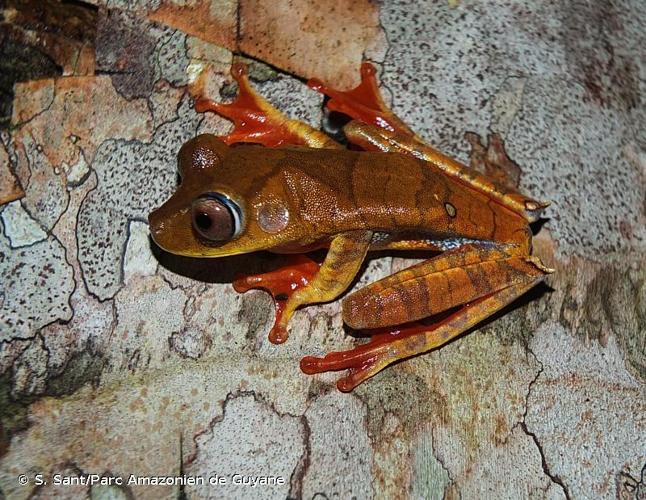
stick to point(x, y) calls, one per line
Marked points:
point(203, 221)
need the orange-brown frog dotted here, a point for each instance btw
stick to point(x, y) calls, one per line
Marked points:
point(302, 191)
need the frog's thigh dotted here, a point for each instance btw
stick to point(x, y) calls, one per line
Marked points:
point(342, 262)
point(436, 285)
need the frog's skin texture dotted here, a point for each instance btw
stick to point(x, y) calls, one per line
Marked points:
point(302, 191)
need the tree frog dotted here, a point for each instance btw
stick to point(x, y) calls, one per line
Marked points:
point(278, 184)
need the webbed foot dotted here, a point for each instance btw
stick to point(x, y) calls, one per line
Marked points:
point(364, 102)
point(256, 120)
point(281, 284)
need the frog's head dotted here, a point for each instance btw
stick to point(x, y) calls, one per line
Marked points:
point(230, 201)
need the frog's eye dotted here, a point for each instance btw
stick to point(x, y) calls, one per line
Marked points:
point(216, 217)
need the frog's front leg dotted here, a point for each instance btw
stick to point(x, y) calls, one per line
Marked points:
point(305, 283)
point(480, 280)
point(256, 120)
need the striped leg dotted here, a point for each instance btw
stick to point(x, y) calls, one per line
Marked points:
point(481, 281)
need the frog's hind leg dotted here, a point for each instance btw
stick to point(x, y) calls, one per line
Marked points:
point(480, 281)
point(373, 138)
point(376, 128)
point(256, 120)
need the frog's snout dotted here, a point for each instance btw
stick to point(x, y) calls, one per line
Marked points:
point(170, 228)
point(155, 225)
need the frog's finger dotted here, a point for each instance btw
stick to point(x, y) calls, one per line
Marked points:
point(281, 284)
point(256, 120)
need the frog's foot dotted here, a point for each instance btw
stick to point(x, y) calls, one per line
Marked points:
point(281, 284)
point(415, 338)
point(363, 361)
point(256, 120)
point(364, 102)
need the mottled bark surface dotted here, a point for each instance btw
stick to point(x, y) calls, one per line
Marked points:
point(116, 359)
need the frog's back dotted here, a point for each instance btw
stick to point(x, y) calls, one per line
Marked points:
point(391, 192)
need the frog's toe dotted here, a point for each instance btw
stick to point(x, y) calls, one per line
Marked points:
point(363, 103)
point(311, 365)
point(365, 361)
point(362, 362)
